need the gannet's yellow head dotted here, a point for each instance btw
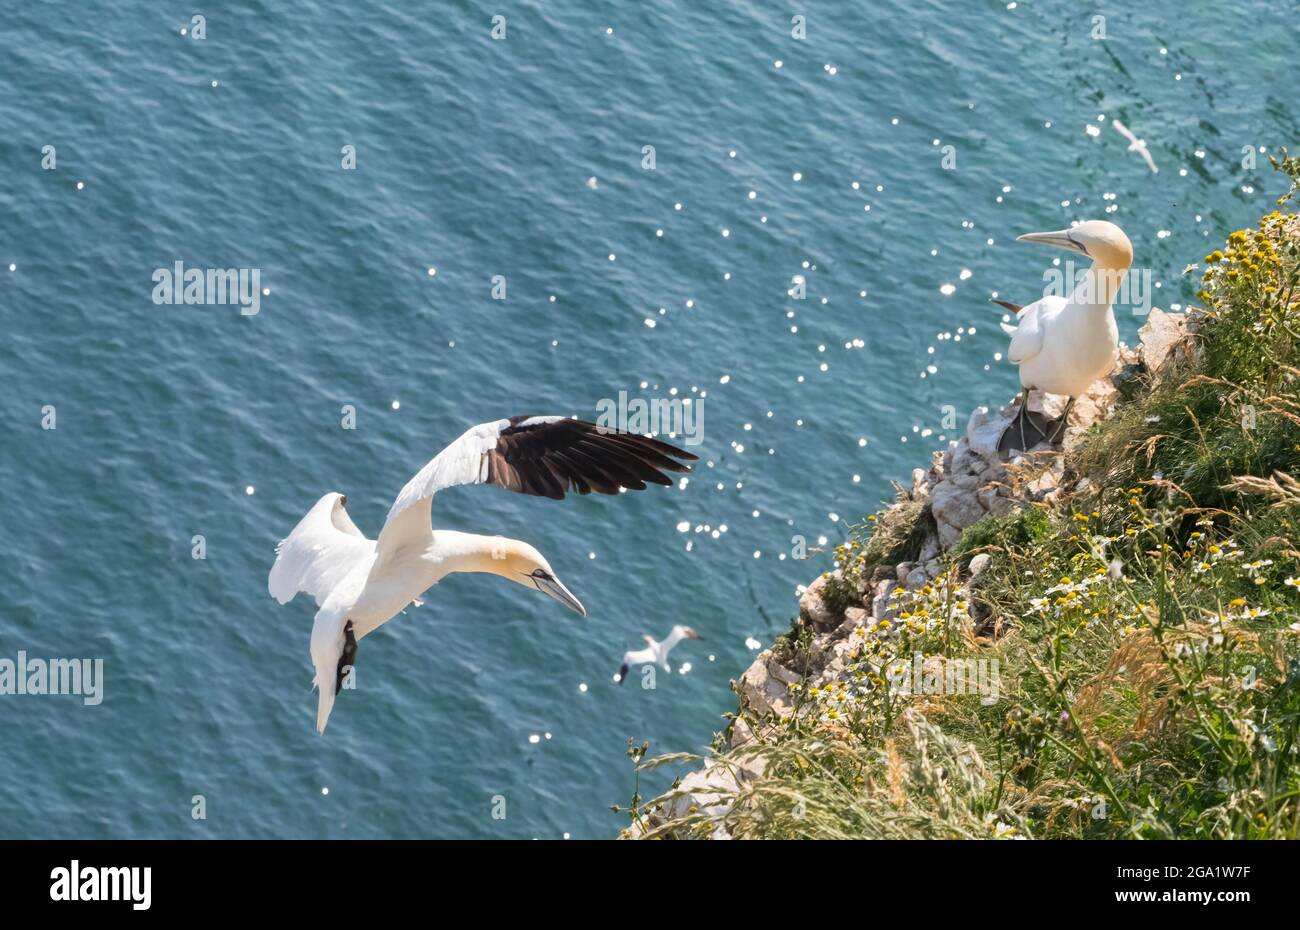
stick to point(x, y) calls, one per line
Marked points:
point(522, 564)
point(1103, 242)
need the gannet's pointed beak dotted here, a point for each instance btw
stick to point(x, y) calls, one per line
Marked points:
point(1061, 239)
point(553, 587)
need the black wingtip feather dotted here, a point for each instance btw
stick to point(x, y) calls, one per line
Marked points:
point(550, 458)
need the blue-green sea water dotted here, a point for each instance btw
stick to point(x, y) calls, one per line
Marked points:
point(473, 158)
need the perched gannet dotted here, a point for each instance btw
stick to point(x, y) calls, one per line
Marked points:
point(359, 583)
point(655, 653)
point(1064, 344)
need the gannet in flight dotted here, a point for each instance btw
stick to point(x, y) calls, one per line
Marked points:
point(359, 583)
point(655, 653)
point(1064, 344)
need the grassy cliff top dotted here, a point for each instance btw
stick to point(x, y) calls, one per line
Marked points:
point(1142, 627)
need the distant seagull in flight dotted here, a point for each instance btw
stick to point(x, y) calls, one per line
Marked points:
point(1064, 344)
point(1136, 145)
point(655, 653)
point(360, 584)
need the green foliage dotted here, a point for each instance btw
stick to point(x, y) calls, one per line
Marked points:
point(1022, 527)
point(894, 534)
point(1290, 166)
point(791, 647)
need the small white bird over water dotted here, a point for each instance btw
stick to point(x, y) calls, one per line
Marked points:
point(1136, 145)
point(359, 584)
point(1064, 344)
point(656, 652)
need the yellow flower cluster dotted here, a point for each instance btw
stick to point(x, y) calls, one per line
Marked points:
point(1251, 259)
point(918, 621)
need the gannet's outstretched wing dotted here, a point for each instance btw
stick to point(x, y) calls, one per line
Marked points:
point(544, 456)
point(632, 657)
point(318, 552)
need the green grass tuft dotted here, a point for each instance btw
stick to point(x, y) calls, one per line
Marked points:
point(1022, 527)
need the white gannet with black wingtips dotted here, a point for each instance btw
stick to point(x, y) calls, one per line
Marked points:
point(359, 584)
point(1064, 344)
point(656, 652)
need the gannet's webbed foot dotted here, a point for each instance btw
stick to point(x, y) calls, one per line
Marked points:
point(1059, 427)
point(348, 659)
point(1024, 432)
